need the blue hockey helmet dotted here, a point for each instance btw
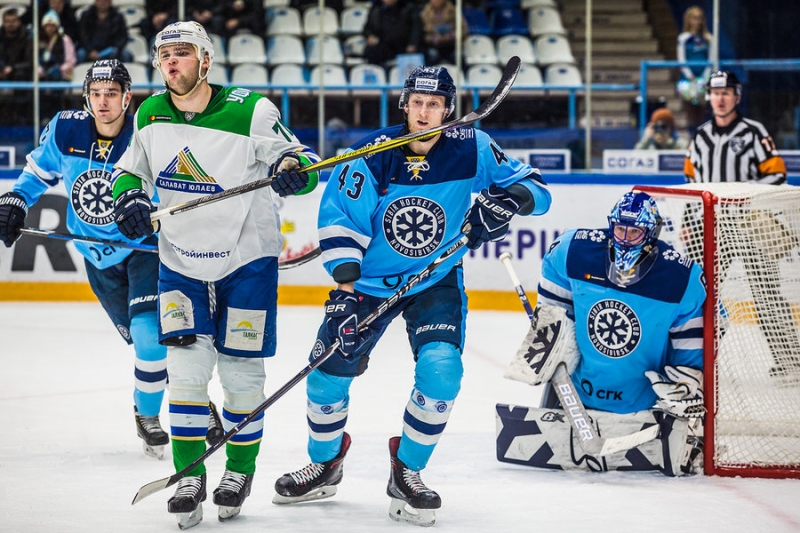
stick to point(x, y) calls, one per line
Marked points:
point(635, 224)
point(430, 80)
point(108, 70)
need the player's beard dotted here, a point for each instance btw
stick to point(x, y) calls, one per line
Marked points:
point(183, 84)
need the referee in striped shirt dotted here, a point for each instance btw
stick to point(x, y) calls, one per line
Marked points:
point(731, 148)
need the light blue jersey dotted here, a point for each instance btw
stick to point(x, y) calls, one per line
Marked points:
point(405, 210)
point(70, 151)
point(624, 331)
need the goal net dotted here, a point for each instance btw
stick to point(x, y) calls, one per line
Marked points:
point(746, 238)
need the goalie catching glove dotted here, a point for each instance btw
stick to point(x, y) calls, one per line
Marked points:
point(550, 341)
point(680, 393)
point(488, 218)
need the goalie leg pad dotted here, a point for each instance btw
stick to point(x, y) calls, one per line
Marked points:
point(543, 438)
point(550, 343)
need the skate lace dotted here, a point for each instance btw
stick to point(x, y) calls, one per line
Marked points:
point(213, 417)
point(188, 487)
point(307, 474)
point(414, 482)
point(232, 481)
point(150, 423)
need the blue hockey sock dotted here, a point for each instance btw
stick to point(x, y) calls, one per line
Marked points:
point(150, 370)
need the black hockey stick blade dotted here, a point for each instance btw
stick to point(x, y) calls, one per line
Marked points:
point(300, 260)
point(497, 96)
point(161, 484)
point(36, 232)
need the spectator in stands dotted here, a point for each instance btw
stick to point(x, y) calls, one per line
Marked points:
point(159, 13)
point(660, 133)
point(302, 5)
point(65, 12)
point(694, 44)
point(16, 60)
point(238, 16)
point(57, 55)
point(392, 28)
point(103, 34)
point(202, 11)
point(439, 29)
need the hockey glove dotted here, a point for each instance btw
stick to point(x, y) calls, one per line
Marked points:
point(342, 320)
point(680, 393)
point(488, 218)
point(12, 217)
point(132, 214)
point(289, 179)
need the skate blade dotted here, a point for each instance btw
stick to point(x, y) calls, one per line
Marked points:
point(319, 494)
point(399, 511)
point(153, 451)
point(187, 520)
point(226, 513)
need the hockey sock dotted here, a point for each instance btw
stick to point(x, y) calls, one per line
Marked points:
point(150, 371)
point(242, 458)
point(186, 451)
point(327, 408)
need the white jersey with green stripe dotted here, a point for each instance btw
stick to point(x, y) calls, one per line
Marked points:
point(183, 156)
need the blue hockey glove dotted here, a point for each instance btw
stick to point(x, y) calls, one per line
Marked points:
point(12, 217)
point(289, 179)
point(132, 214)
point(488, 218)
point(342, 320)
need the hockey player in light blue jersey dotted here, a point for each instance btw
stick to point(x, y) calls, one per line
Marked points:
point(79, 148)
point(383, 219)
point(637, 309)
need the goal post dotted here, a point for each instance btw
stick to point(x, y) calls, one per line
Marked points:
point(746, 237)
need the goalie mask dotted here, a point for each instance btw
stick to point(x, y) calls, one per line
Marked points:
point(430, 80)
point(634, 225)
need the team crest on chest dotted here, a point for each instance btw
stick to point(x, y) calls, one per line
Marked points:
point(184, 174)
point(614, 329)
point(102, 149)
point(736, 144)
point(414, 226)
point(91, 197)
point(415, 164)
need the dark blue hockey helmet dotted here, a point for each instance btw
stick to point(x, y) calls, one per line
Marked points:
point(635, 225)
point(107, 70)
point(430, 80)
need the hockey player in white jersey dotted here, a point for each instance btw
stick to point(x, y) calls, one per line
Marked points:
point(630, 331)
point(219, 263)
point(382, 220)
point(78, 149)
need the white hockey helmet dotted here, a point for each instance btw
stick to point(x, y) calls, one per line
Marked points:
point(184, 32)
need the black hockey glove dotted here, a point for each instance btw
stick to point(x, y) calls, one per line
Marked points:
point(289, 179)
point(342, 320)
point(488, 218)
point(12, 217)
point(132, 214)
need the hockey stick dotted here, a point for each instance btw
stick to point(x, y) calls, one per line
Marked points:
point(36, 232)
point(500, 92)
point(590, 441)
point(412, 282)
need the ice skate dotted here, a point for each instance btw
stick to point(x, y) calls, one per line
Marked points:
point(231, 493)
point(215, 429)
point(412, 501)
point(314, 482)
point(186, 502)
point(154, 439)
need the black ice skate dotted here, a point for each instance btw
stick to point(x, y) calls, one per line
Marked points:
point(412, 501)
point(215, 429)
point(314, 482)
point(185, 503)
point(154, 439)
point(231, 493)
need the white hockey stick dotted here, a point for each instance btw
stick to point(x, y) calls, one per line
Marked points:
point(497, 96)
point(590, 441)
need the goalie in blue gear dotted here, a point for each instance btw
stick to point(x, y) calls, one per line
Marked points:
point(630, 330)
point(382, 220)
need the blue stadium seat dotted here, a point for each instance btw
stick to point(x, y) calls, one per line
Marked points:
point(477, 23)
point(506, 21)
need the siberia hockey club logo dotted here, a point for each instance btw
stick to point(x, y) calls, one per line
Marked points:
point(414, 226)
point(91, 198)
point(614, 329)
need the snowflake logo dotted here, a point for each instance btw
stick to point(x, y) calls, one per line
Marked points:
point(378, 140)
point(414, 226)
point(597, 235)
point(614, 329)
point(91, 198)
point(81, 115)
point(671, 255)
